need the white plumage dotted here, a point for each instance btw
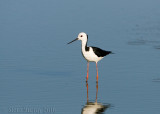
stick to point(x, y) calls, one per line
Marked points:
point(91, 54)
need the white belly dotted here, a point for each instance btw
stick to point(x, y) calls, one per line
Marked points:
point(90, 55)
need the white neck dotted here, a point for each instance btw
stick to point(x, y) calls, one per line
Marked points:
point(84, 44)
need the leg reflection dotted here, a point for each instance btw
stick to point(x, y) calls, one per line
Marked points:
point(87, 91)
point(94, 107)
point(96, 90)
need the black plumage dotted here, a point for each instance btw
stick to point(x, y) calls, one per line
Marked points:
point(100, 53)
point(86, 48)
point(91, 54)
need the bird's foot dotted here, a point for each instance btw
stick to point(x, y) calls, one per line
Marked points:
point(87, 78)
point(96, 81)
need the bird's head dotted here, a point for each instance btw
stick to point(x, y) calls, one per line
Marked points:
point(81, 36)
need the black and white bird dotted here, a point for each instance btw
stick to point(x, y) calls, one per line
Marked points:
point(91, 54)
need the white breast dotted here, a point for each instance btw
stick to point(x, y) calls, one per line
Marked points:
point(90, 55)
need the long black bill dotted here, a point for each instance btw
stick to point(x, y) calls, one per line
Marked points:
point(73, 40)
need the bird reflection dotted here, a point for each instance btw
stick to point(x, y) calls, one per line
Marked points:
point(94, 107)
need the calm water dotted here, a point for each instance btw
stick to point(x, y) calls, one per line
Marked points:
point(41, 74)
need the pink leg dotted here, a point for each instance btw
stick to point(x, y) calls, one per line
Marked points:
point(97, 72)
point(87, 71)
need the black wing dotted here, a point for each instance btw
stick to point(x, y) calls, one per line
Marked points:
point(100, 53)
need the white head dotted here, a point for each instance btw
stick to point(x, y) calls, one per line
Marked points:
point(81, 36)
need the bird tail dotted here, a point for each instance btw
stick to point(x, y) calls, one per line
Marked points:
point(108, 52)
point(112, 53)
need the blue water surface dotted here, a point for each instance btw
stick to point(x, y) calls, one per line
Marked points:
point(41, 74)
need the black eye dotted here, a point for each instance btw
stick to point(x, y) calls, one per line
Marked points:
point(81, 35)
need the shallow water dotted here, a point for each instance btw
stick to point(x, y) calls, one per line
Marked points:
point(40, 73)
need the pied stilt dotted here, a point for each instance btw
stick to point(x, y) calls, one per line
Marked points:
point(91, 54)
